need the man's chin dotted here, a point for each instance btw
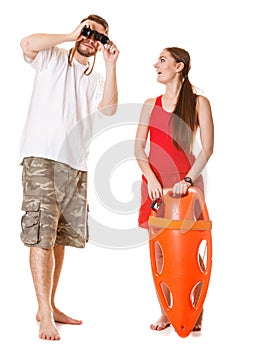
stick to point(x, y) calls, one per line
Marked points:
point(85, 53)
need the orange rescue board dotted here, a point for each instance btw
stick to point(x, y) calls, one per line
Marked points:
point(181, 229)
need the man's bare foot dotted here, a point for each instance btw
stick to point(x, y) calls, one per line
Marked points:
point(162, 323)
point(60, 317)
point(47, 328)
point(63, 318)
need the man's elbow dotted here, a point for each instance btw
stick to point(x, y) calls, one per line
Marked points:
point(24, 43)
point(109, 110)
point(26, 47)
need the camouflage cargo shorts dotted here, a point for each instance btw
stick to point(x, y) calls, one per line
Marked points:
point(55, 204)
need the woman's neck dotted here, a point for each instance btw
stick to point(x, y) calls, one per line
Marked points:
point(173, 91)
point(170, 98)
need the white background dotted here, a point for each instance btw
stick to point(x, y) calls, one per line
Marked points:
point(111, 290)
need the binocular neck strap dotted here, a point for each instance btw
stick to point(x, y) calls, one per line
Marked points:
point(71, 54)
point(89, 69)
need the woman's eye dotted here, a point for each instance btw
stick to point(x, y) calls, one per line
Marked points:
point(162, 60)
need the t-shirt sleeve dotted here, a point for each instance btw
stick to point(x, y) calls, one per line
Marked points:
point(42, 59)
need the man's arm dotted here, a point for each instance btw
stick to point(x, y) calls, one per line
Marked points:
point(34, 43)
point(109, 102)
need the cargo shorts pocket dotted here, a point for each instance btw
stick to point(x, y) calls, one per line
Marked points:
point(87, 225)
point(30, 222)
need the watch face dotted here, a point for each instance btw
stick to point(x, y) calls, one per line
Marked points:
point(188, 179)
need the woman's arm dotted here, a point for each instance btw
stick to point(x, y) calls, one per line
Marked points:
point(154, 187)
point(207, 142)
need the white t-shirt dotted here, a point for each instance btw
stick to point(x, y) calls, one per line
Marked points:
point(62, 109)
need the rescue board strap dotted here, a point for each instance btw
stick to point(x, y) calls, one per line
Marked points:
point(200, 225)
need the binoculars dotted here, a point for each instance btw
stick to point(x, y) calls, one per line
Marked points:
point(88, 32)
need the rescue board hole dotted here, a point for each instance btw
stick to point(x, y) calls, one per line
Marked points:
point(196, 293)
point(158, 251)
point(167, 295)
point(202, 255)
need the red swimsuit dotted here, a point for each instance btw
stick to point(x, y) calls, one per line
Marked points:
point(169, 164)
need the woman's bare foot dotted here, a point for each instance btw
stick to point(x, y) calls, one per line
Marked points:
point(198, 325)
point(162, 323)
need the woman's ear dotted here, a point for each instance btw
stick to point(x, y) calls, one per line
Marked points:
point(179, 67)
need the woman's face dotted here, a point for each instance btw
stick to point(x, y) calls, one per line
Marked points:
point(166, 67)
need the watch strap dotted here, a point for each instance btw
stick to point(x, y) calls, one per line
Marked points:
point(189, 180)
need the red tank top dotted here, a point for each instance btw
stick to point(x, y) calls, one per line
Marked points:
point(164, 157)
point(168, 163)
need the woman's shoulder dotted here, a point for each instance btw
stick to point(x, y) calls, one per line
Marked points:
point(150, 101)
point(147, 109)
point(203, 107)
point(201, 99)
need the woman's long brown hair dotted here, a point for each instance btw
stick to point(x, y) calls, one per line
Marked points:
point(184, 117)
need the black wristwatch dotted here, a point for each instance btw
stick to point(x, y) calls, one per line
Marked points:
point(188, 179)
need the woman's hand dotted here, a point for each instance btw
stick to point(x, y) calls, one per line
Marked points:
point(181, 187)
point(155, 190)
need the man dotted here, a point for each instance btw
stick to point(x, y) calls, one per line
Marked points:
point(54, 147)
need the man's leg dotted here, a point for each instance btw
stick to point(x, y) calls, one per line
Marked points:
point(59, 252)
point(42, 264)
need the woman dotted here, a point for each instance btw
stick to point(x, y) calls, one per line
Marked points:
point(172, 120)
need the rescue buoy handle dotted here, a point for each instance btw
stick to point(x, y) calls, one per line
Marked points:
point(192, 190)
